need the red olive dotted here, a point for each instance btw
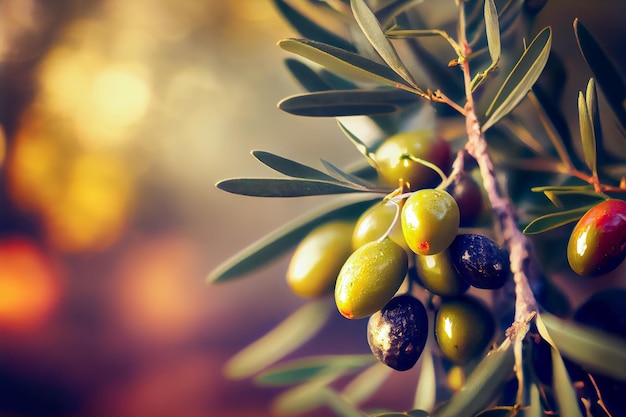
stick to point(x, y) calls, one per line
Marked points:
point(597, 244)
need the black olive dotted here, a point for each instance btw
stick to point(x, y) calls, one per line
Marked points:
point(397, 333)
point(480, 261)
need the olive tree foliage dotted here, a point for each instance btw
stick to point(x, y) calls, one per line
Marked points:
point(480, 73)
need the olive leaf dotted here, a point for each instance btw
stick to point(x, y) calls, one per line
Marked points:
point(342, 62)
point(291, 168)
point(587, 135)
point(553, 220)
point(387, 14)
point(368, 23)
point(607, 75)
point(309, 28)
point(521, 79)
point(283, 239)
point(358, 143)
point(303, 369)
point(286, 187)
point(306, 76)
point(347, 102)
point(426, 390)
point(482, 384)
point(562, 385)
point(287, 336)
point(493, 31)
point(305, 397)
point(594, 349)
point(346, 176)
point(412, 413)
point(363, 386)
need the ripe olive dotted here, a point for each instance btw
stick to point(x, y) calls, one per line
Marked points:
point(438, 275)
point(463, 328)
point(430, 221)
point(597, 244)
point(394, 166)
point(370, 278)
point(480, 261)
point(375, 222)
point(397, 333)
point(318, 259)
point(468, 195)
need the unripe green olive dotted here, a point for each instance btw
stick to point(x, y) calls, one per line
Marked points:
point(370, 278)
point(375, 222)
point(318, 259)
point(397, 333)
point(437, 274)
point(468, 195)
point(480, 261)
point(393, 166)
point(597, 244)
point(430, 221)
point(463, 328)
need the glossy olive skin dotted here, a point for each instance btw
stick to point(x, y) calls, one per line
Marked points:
point(397, 333)
point(430, 221)
point(393, 167)
point(463, 328)
point(597, 244)
point(370, 278)
point(318, 258)
point(439, 276)
point(375, 222)
point(468, 195)
point(480, 261)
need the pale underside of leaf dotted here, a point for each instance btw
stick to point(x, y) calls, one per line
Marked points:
point(493, 31)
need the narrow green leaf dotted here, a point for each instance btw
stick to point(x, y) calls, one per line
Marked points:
point(303, 369)
point(285, 187)
point(306, 76)
point(553, 220)
point(412, 413)
point(342, 62)
point(493, 31)
point(564, 391)
point(358, 143)
point(310, 29)
point(290, 334)
point(501, 411)
point(340, 406)
point(605, 72)
point(593, 349)
point(347, 102)
point(483, 383)
point(267, 249)
point(303, 398)
point(535, 408)
point(291, 168)
point(426, 390)
point(521, 79)
point(373, 32)
point(364, 385)
point(587, 134)
point(346, 176)
point(565, 189)
point(387, 14)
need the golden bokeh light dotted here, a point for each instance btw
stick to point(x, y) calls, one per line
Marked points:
point(29, 286)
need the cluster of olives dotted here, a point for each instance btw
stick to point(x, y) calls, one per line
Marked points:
point(365, 262)
point(597, 244)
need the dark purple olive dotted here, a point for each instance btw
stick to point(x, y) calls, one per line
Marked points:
point(480, 261)
point(397, 333)
point(466, 191)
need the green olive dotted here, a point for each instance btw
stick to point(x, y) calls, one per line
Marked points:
point(318, 259)
point(437, 274)
point(597, 244)
point(430, 221)
point(463, 328)
point(375, 222)
point(394, 166)
point(370, 278)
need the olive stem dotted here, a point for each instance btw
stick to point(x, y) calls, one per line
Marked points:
point(516, 242)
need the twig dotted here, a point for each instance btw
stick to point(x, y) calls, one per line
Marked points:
point(516, 242)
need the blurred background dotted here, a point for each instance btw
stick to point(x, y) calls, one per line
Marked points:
point(116, 119)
